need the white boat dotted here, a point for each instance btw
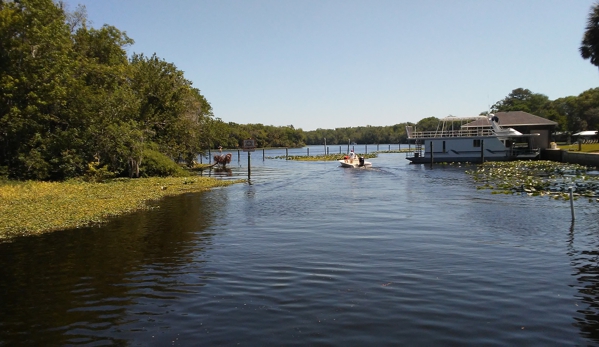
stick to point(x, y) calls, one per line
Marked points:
point(356, 163)
point(452, 142)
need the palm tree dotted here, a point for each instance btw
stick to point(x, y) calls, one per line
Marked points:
point(589, 48)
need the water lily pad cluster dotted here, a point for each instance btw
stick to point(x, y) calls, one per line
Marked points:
point(321, 157)
point(537, 178)
point(33, 207)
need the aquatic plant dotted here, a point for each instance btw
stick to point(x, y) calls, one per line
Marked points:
point(321, 157)
point(36, 207)
point(536, 178)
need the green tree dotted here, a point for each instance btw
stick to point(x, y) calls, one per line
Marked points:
point(589, 48)
point(521, 99)
point(37, 71)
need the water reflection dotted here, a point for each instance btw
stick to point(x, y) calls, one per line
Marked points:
point(83, 286)
point(583, 245)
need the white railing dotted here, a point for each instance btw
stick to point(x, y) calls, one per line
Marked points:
point(451, 133)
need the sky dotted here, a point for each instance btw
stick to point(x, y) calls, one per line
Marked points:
point(345, 63)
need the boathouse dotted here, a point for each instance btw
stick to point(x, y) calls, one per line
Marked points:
point(525, 123)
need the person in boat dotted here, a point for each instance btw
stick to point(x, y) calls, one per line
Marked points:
point(352, 156)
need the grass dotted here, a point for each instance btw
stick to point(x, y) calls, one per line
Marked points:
point(32, 207)
point(585, 147)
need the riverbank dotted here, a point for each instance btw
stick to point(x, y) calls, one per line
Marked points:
point(30, 207)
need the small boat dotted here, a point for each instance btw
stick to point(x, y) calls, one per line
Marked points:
point(356, 163)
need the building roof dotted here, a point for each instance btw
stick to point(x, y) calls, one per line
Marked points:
point(513, 118)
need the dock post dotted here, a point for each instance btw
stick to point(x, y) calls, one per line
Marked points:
point(432, 156)
point(572, 202)
point(239, 156)
point(482, 151)
point(262, 154)
point(249, 165)
point(209, 157)
point(308, 151)
point(366, 148)
point(286, 153)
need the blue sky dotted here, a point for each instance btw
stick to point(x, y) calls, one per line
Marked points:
point(329, 63)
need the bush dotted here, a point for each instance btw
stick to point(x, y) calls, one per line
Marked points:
point(97, 173)
point(155, 163)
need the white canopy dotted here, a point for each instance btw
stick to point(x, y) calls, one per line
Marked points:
point(586, 133)
point(461, 119)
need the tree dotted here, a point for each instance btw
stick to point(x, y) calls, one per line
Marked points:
point(521, 99)
point(37, 72)
point(589, 48)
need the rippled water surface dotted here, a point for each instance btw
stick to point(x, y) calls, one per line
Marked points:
point(313, 254)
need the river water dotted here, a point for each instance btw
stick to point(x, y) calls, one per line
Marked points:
point(310, 253)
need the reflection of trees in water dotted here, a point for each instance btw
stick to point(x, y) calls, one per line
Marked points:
point(77, 286)
point(586, 266)
point(217, 171)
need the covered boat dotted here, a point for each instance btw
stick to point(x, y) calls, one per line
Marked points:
point(452, 142)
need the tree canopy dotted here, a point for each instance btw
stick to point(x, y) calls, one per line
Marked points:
point(589, 48)
point(70, 98)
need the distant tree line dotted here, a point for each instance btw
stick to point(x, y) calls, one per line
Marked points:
point(363, 134)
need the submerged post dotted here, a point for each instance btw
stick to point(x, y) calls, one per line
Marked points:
point(262, 154)
point(249, 166)
point(572, 202)
point(238, 156)
point(286, 153)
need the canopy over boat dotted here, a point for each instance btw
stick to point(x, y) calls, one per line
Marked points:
point(586, 133)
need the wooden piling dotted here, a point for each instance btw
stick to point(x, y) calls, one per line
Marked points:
point(432, 156)
point(482, 151)
point(572, 202)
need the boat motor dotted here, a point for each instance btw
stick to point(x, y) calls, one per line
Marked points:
point(361, 161)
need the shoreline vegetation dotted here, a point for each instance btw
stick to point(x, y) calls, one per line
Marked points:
point(34, 207)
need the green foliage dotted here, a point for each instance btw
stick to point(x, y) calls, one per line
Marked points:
point(158, 164)
point(36, 207)
point(69, 95)
point(589, 47)
point(522, 100)
point(368, 134)
point(572, 113)
point(97, 174)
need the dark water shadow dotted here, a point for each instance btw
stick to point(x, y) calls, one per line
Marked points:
point(78, 286)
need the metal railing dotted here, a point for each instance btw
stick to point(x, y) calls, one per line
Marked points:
point(451, 133)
